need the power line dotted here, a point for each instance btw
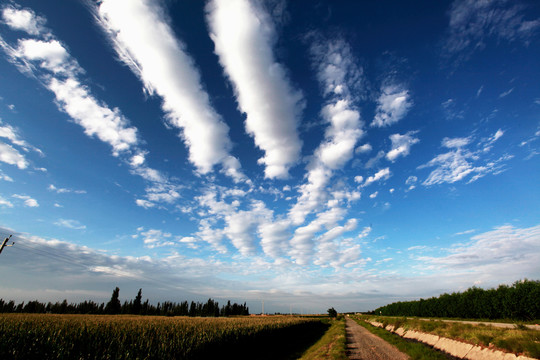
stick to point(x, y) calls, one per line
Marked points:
point(4, 243)
point(88, 266)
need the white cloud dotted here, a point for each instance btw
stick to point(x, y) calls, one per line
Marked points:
point(506, 93)
point(144, 203)
point(11, 156)
point(153, 238)
point(146, 43)
point(274, 237)
point(50, 61)
point(359, 179)
point(497, 135)
point(72, 97)
point(97, 120)
point(339, 76)
point(341, 136)
point(450, 167)
point(363, 149)
point(401, 145)
point(505, 254)
point(392, 105)
point(6, 203)
point(465, 232)
point(22, 19)
point(411, 180)
point(243, 36)
point(456, 142)
point(5, 177)
point(383, 174)
point(64, 190)
point(28, 201)
point(303, 241)
point(10, 133)
point(365, 232)
point(337, 68)
point(374, 195)
point(374, 160)
point(52, 54)
point(70, 224)
point(460, 162)
point(239, 226)
point(337, 231)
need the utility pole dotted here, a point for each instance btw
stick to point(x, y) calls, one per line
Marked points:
point(4, 244)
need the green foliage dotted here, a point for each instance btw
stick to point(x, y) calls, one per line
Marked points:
point(332, 312)
point(332, 345)
point(517, 302)
point(46, 336)
point(136, 307)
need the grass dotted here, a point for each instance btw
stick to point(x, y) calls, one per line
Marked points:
point(332, 345)
point(415, 350)
point(519, 340)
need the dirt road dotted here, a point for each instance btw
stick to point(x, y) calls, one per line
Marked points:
point(363, 345)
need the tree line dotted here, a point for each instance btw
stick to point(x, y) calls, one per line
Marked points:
point(136, 307)
point(520, 301)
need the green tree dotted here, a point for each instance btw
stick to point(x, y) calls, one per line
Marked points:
point(332, 312)
point(137, 303)
point(114, 306)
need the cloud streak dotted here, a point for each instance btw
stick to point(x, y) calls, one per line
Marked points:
point(145, 42)
point(243, 36)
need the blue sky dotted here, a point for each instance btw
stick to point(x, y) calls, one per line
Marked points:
point(311, 154)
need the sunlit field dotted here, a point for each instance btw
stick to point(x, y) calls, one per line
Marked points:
point(47, 336)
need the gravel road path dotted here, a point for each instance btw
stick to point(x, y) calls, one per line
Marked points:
point(363, 345)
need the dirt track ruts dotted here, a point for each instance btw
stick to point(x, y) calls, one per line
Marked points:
point(363, 345)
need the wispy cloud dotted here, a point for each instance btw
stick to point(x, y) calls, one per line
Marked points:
point(466, 232)
point(64, 190)
point(70, 224)
point(505, 251)
point(461, 162)
point(10, 133)
point(473, 23)
point(145, 42)
point(5, 203)
point(243, 36)
point(505, 93)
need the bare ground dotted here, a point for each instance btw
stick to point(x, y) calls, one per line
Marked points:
point(363, 345)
